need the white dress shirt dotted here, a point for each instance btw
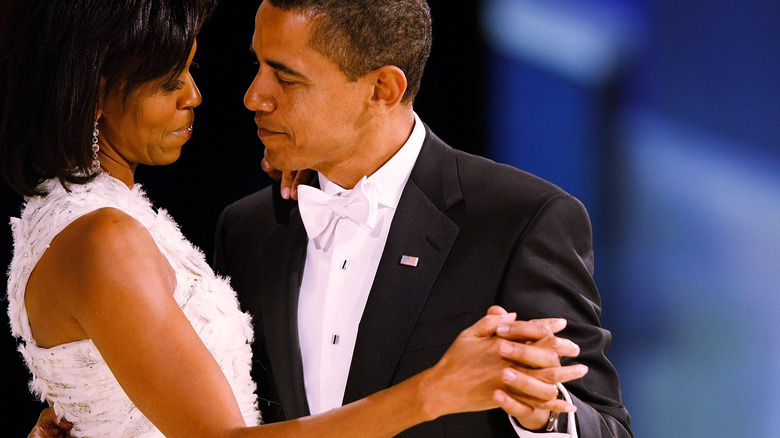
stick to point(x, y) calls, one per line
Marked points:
point(337, 279)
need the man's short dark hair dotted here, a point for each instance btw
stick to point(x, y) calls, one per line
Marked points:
point(363, 35)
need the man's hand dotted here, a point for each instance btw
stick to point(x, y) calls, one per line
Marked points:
point(289, 180)
point(48, 427)
point(474, 371)
point(536, 351)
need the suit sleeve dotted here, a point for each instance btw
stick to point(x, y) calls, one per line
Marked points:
point(551, 275)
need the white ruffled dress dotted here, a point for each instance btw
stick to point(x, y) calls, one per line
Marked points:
point(73, 377)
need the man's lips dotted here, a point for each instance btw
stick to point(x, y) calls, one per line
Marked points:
point(263, 132)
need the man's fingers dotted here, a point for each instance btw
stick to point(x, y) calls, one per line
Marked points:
point(559, 374)
point(511, 406)
point(554, 324)
point(488, 324)
point(496, 310)
point(530, 331)
point(520, 407)
point(533, 392)
point(524, 385)
point(532, 387)
point(538, 389)
point(562, 346)
point(529, 356)
point(523, 407)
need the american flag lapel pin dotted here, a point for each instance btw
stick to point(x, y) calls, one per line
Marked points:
point(409, 260)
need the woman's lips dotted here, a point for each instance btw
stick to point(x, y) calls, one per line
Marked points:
point(184, 132)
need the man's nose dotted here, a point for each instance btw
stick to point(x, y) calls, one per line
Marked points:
point(259, 97)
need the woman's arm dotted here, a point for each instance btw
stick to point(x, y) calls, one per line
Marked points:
point(465, 379)
point(105, 272)
point(118, 288)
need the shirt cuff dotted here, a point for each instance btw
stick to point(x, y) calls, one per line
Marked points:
point(571, 426)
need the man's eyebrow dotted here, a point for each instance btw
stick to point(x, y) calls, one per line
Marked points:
point(278, 66)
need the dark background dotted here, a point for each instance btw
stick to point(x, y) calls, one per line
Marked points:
point(222, 161)
point(662, 116)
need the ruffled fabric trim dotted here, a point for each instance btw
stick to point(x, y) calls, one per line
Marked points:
point(73, 377)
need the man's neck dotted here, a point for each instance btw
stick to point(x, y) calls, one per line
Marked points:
point(376, 149)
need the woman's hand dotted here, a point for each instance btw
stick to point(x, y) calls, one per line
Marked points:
point(48, 426)
point(516, 371)
point(288, 180)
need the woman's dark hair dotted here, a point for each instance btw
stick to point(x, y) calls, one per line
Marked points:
point(363, 35)
point(61, 50)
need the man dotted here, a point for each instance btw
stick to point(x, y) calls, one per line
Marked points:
point(366, 282)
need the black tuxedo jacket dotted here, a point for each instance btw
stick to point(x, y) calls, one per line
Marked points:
point(484, 233)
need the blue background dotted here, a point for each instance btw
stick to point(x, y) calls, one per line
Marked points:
point(665, 121)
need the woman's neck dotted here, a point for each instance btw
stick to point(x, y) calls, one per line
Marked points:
point(121, 171)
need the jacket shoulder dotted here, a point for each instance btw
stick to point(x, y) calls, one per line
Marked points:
point(483, 178)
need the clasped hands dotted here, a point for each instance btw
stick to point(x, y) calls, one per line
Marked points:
point(509, 364)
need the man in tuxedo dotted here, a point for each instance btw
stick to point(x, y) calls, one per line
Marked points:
point(402, 241)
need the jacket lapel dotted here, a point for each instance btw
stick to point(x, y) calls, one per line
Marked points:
point(284, 256)
point(419, 229)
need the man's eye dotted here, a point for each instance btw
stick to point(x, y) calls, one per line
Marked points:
point(176, 85)
point(284, 82)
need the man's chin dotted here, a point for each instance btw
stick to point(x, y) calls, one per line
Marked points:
point(279, 163)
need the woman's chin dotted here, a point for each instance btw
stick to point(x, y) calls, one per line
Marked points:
point(168, 158)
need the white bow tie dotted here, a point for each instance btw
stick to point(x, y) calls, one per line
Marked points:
point(321, 212)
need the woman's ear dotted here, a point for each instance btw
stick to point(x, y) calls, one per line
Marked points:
point(389, 85)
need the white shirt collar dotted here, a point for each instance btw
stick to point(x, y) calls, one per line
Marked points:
point(394, 174)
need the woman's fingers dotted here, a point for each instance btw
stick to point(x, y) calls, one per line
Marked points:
point(48, 426)
point(301, 177)
point(287, 184)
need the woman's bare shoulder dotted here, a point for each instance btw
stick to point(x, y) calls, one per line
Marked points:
point(99, 260)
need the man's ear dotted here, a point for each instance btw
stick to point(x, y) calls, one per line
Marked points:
point(389, 85)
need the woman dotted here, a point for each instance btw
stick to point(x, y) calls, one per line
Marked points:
point(126, 329)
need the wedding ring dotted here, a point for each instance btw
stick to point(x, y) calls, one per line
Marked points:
point(552, 420)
